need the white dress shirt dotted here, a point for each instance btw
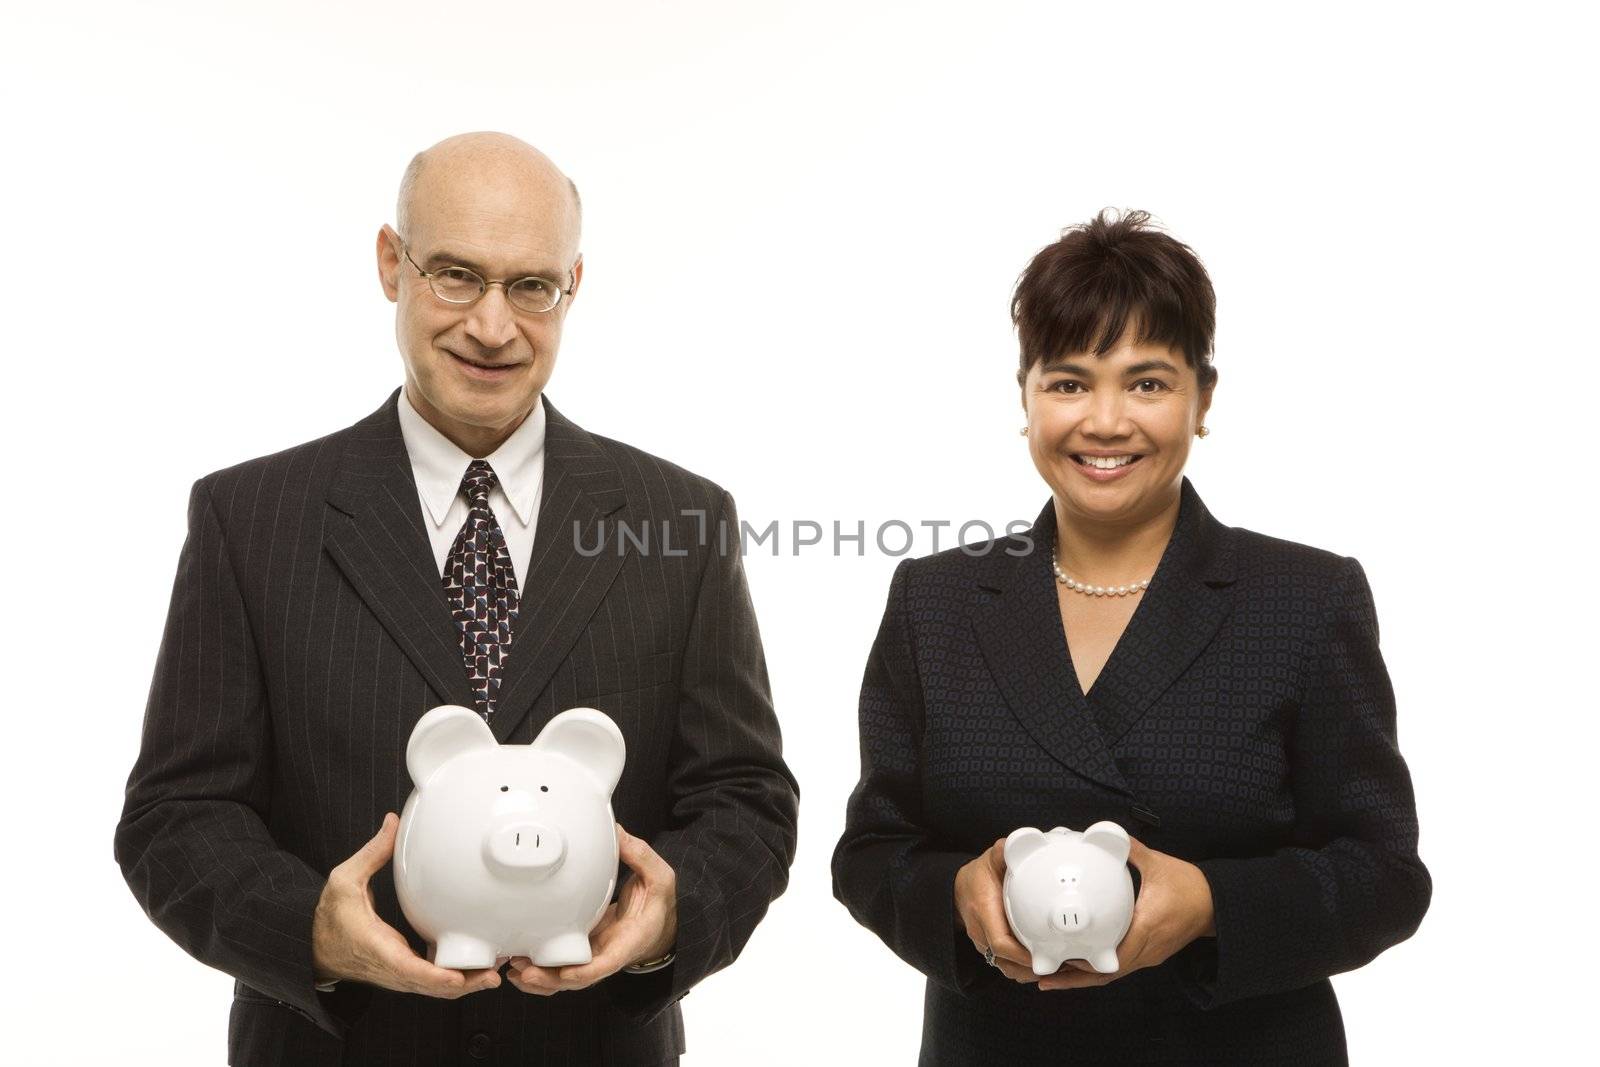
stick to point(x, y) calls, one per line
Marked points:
point(439, 465)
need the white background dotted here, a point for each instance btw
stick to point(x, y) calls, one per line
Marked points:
point(803, 223)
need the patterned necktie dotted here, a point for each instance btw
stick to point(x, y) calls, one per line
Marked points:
point(482, 589)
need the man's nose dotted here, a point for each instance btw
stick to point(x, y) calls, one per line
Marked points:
point(491, 322)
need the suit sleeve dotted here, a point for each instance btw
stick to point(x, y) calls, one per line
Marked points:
point(733, 803)
point(192, 841)
point(1351, 884)
point(888, 870)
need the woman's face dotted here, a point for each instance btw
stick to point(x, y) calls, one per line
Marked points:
point(1140, 400)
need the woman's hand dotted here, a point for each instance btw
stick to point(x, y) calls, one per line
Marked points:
point(980, 902)
point(1174, 908)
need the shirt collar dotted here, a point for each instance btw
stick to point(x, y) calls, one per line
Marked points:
point(439, 464)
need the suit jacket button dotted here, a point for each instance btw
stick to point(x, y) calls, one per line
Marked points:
point(478, 1046)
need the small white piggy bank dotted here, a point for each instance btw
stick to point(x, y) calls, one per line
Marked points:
point(1068, 895)
point(508, 850)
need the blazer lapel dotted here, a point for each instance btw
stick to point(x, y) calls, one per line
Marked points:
point(383, 550)
point(563, 585)
point(1019, 630)
point(1178, 615)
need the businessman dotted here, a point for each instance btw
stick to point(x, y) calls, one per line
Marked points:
point(463, 544)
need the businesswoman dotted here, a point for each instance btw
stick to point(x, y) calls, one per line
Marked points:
point(1217, 692)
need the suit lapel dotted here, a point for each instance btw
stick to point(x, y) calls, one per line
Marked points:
point(1019, 630)
point(383, 549)
point(563, 585)
point(1178, 615)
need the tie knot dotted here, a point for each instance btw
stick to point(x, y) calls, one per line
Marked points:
point(478, 480)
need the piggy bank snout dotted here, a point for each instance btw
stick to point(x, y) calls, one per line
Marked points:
point(525, 846)
point(1071, 914)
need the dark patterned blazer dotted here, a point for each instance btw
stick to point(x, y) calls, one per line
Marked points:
point(1244, 722)
point(309, 631)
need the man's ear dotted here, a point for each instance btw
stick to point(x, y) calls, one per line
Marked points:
point(577, 277)
point(389, 262)
point(590, 739)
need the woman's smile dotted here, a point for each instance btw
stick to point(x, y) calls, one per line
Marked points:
point(1104, 468)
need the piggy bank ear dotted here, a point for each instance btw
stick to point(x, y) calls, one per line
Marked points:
point(441, 735)
point(590, 739)
point(1022, 843)
point(1109, 836)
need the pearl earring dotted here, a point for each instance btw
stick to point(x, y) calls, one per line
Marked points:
point(1023, 431)
point(1202, 432)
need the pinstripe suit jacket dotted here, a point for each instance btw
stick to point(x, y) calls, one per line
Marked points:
point(1244, 722)
point(307, 633)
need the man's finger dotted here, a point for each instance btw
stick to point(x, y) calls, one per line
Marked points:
point(532, 978)
point(370, 857)
point(621, 942)
point(641, 858)
point(425, 977)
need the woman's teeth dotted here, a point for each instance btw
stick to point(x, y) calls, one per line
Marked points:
point(1105, 463)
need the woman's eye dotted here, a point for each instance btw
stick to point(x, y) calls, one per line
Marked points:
point(1150, 381)
point(1057, 386)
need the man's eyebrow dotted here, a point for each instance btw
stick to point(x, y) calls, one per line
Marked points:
point(447, 258)
point(1062, 367)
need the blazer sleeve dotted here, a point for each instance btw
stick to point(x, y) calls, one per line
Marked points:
point(192, 841)
point(1351, 883)
point(733, 804)
point(888, 870)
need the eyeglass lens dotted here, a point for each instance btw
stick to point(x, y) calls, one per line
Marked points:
point(460, 286)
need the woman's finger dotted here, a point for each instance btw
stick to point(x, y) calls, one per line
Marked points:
point(1015, 971)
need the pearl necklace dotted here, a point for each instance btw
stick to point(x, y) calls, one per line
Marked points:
point(1093, 590)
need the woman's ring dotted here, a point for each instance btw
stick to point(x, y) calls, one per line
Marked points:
point(988, 955)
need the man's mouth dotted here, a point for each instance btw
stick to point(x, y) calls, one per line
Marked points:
point(492, 367)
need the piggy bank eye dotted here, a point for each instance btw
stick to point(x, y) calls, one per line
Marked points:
point(504, 788)
point(544, 789)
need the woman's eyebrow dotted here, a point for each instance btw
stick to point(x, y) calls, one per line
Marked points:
point(1081, 371)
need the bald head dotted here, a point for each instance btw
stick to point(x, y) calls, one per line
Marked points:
point(487, 171)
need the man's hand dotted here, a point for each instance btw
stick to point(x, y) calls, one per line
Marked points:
point(641, 925)
point(349, 941)
point(980, 904)
point(1174, 908)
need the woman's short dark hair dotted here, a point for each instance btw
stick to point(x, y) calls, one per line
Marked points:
point(1078, 294)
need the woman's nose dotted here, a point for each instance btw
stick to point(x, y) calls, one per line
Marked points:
point(1105, 413)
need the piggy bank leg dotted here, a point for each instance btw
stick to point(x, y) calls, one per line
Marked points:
point(1043, 964)
point(1105, 961)
point(461, 952)
point(562, 950)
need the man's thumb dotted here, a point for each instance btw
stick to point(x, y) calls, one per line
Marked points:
point(371, 857)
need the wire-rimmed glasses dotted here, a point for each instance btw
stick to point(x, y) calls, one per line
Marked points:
point(458, 285)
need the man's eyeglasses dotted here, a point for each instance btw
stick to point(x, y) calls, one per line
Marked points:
point(458, 285)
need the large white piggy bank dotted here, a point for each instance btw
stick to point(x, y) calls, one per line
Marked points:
point(508, 850)
point(1068, 895)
